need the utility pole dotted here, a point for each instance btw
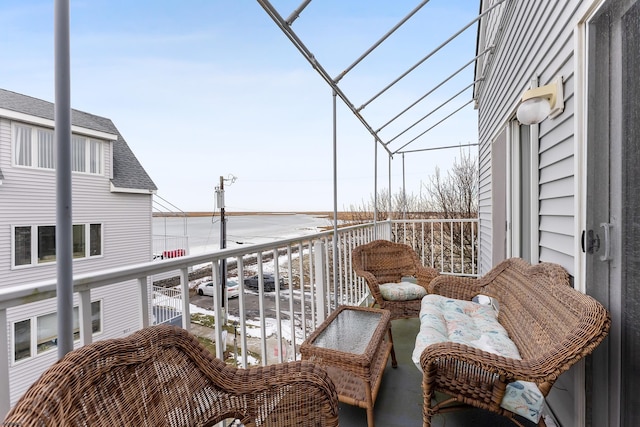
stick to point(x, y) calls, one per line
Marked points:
point(223, 232)
point(223, 238)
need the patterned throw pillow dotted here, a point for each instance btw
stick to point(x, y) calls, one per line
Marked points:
point(403, 291)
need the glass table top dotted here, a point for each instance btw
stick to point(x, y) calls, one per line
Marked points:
point(349, 332)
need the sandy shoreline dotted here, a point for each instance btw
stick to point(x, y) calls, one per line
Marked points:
point(321, 214)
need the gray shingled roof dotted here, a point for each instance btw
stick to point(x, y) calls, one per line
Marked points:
point(127, 170)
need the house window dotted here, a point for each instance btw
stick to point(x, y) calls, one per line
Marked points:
point(22, 245)
point(37, 244)
point(46, 243)
point(95, 239)
point(29, 342)
point(33, 147)
point(22, 340)
point(86, 155)
point(45, 149)
point(95, 156)
point(78, 156)
point(79, 240)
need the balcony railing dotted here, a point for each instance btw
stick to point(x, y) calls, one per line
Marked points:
point(315, 283)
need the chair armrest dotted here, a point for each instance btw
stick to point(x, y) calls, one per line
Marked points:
point(453, 355)
point(463, 288)
point(281, 392)
point(372, 282)
point(425, 275)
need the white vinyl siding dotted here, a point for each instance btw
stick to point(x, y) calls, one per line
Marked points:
point(28, 199)
point(534, 39)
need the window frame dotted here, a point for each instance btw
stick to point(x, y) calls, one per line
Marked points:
point(41, 153)
point(34, 350)
point(92, 248)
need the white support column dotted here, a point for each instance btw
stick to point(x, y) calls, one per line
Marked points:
point(186, 314)
point(321, 283)
point(86, 330)
point(144, 301)
point(5, 389)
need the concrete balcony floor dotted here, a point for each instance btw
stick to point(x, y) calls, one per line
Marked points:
point(399, 402)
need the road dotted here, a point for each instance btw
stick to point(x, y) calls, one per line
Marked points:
point(252, 303)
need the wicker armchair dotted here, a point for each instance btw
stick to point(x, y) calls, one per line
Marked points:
point(162, 376)
point(382, 262)
point(552, 324)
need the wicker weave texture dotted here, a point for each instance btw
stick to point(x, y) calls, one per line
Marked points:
point(552, 324)
point(382, 261)
point(162, 376)
point(357, 377)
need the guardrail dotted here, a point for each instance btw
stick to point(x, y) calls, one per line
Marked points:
point(315, 283)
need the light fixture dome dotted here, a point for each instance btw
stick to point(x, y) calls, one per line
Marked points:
point(533, 111)
point(538, 103)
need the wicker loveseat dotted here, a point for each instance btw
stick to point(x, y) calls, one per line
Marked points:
point(162, 376)
point(551, 324)
point(384, 264)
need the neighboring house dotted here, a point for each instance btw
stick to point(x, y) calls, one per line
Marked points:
point(112, 200)
point(566, 190)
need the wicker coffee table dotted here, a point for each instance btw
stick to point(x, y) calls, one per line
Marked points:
point(353, 345)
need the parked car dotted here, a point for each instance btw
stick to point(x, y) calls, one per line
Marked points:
point(233, 288)
point(268, 280)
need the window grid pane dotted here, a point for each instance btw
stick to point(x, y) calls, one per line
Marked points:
point(96, 317)
point(22, 340)
point(46, 243)
point(22, 245)
point(79, 241)
point(23, 145)
point(78, 154)
point(95, 156)
point(45, 149)
point(95, 239)
point(47, 332)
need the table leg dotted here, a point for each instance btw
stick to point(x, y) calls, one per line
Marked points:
point(370, 418)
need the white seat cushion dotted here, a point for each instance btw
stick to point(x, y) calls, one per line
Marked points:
point(403, 291)
point(446, 319)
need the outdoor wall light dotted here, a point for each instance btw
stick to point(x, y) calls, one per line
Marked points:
point(541, 102)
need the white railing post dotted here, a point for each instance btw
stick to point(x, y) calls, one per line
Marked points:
point(186, 313)
point(144, 301)
point(321, 282)
point(86, 330)
point(5, 388)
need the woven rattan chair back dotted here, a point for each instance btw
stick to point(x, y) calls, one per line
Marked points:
point(382, 261)
point(162, 376)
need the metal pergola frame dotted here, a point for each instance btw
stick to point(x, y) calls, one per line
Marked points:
point(286, 26)
point(63, 132)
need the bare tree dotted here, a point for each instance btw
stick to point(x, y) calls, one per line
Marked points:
point(456, 195)
point(451, 199)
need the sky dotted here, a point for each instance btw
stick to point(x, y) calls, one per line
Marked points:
point(203, 89)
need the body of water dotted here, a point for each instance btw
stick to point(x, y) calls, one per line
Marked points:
point(204, 232)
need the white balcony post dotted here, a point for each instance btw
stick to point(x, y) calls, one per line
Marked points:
point(5, 389)
point(186, 314)
point(86, 330)
point(321, 282)
point(144, 301)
